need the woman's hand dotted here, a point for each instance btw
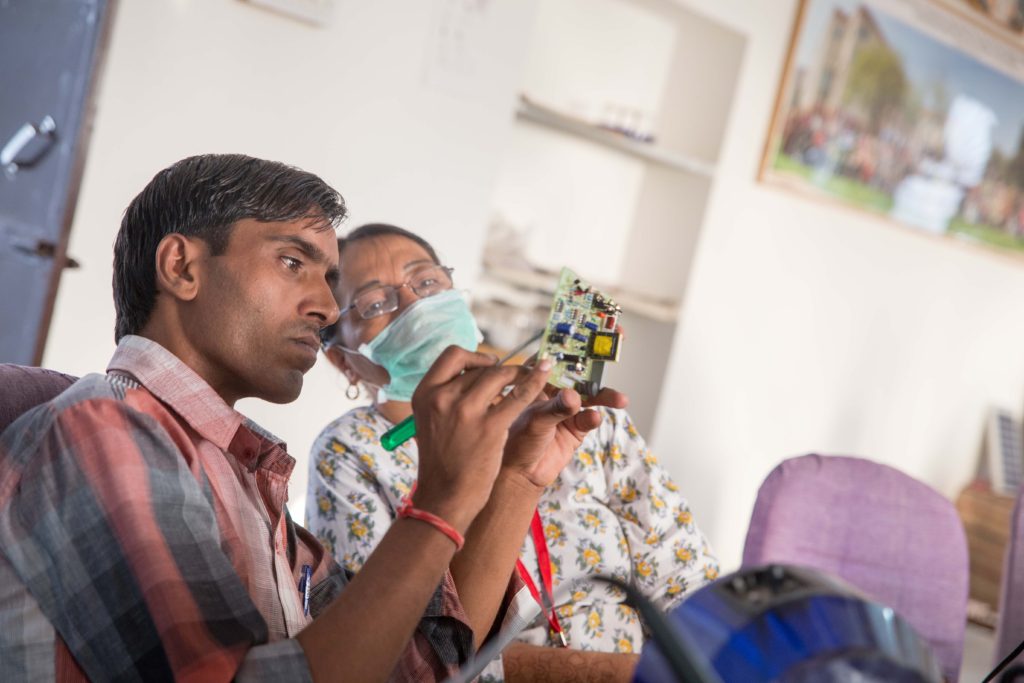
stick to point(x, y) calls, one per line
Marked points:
point(544, 437)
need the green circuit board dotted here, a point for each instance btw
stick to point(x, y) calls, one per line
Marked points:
point(581, 335)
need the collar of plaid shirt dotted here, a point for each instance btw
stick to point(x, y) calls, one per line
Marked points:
point(178, 386)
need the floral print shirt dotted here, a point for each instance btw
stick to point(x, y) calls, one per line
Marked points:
point(613, 510)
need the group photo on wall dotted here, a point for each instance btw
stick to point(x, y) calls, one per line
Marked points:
point(904, 110)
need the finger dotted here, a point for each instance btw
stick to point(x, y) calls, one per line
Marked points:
point(525, 391)
point(585, 421)
point(550, 390)
point(608, 398)
point(488, 384)
point(452, 362)
point(548, 414)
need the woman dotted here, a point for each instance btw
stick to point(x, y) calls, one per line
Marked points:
point(611, 510)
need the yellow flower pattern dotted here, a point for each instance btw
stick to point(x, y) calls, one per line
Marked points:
point(675, 586)
point(626, 614)
point(626, 491)
point(368, 461)
point(625, 642)
point(684, 554)
point(589, 556)
point(326, 468)
point(613, 510)
point(357, 528)
point(594, 625)
point(554, 533)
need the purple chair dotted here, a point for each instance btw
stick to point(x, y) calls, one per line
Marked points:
point(885, 533)
point(22, 388)
point(1010, 631)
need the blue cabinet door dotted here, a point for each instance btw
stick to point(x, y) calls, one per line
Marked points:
point(50, 53)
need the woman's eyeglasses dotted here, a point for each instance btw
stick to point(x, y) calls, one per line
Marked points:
point(384, 299)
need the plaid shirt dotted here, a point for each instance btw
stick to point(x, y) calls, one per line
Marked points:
point(144, 536)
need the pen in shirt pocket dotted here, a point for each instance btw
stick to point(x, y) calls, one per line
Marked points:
point(304, 586)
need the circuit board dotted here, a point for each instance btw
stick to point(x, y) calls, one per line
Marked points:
point(581, 335)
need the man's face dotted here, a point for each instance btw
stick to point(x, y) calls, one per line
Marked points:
point(255, 321)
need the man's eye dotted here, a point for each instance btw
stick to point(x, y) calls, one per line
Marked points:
point(293, 264)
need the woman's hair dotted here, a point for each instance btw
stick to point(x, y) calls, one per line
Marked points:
point(380, 230)
point(369, 231)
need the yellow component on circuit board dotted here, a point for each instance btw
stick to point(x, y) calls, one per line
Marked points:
point(604, 345)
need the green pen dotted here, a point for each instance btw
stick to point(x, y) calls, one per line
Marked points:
point(399, 434)
point(406, 429)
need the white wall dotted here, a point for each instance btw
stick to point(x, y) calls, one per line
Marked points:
point(406, 139)
point(805, 327)
point(810, 328)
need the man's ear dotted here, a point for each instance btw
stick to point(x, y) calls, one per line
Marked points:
point(337, 358)
point(177, 266)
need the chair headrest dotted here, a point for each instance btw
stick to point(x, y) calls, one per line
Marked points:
point(23, 388)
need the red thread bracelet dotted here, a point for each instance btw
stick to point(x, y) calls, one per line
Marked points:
point(407, 510)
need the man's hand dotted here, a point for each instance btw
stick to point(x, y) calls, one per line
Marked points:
point(544, 437)
point(462, 424)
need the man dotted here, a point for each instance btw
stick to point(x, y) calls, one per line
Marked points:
point(143, 528)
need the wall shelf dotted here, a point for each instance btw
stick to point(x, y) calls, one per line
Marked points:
point(543, 116)
point(660, 310)
point(623, 213)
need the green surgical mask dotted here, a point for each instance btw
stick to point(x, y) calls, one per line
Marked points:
point(410, 344)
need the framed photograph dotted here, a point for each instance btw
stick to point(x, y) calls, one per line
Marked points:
point(909, 109)
point(1003, 15)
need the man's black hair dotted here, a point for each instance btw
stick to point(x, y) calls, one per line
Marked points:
point(204, 196)
point(368, 231)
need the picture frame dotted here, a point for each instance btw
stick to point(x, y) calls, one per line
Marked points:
point(1005, 16)
point(912, 110)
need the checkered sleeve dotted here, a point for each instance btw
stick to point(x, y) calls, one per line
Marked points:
point(116, 539)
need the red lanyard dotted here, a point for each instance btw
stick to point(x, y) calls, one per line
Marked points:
point(544, 566)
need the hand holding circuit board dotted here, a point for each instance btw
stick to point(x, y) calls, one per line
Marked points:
point(581, 335)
